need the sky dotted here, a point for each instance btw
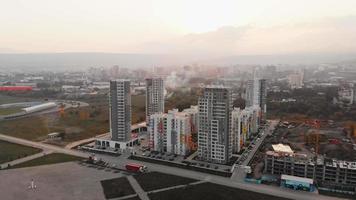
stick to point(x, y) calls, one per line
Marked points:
point(219, 27)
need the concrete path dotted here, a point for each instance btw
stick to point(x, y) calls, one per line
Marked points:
point(88, 140)
point(176, 187)
point(124, 197)
point(192, 156)
point(24, 159)
point(43, 146)
point(138, 189)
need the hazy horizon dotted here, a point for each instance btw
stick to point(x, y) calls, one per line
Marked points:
point(192, 28)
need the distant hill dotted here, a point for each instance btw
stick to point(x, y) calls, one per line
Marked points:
point(70, 61)
point(64, 61)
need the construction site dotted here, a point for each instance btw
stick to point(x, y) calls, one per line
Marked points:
point(321, 151)
point(314, 137)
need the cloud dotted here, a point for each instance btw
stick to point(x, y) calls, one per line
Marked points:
point(330, 35)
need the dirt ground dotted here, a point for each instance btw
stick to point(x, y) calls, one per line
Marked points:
point(334, 141)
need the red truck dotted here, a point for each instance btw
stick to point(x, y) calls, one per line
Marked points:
point(135, 167)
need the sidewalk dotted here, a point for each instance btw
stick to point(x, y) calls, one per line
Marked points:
point(21, 160)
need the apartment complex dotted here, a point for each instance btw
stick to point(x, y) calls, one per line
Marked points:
point(193, 113)
point(245, 122)
point(214, 132)
point(170, 132)
point(120, 110)
point(154, 96)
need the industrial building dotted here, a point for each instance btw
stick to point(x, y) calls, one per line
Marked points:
point(283, 160)
point(297, 183)
point(15, 88)
point(215, 140)
point(170, 132)
point(154, 96)
point(40, 107)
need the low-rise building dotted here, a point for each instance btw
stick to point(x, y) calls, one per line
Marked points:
point(245, 122)
point(170, 132)
point(321, 169)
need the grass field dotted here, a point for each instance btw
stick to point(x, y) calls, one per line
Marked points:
point(48, 159)
point(31, 128)
point(4, 99)
point(156, 180)
point(10, 151)
point(75, 124)
point(138, 103)
point(9, 111)
point(117, 187)
point(210, 191)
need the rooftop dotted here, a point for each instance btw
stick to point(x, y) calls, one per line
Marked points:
point(296, 178)
point(281, 148)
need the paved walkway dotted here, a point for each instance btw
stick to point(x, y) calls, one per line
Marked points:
point(176, 187)
point(24, 159)
point(138, 189)
point(43, 146)
point(124, 197)
point(192, 156)
point(87, 140)
point(239, 172)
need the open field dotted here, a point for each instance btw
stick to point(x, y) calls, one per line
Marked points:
point(156, 180)
point(55, 182)
point(4, 99)
point(10, 151)
point(48, 159)
point(74, 124)
point(138, 103)
point(33, 128)
point(210, 191)
point(117, 187)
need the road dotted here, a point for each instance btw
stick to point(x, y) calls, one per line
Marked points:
point(239, 172)
point(122, 160)
point(266, 189)
point(44, 147)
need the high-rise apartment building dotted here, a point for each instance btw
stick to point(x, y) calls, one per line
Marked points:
point(256, 95)
point(154, 96)
point(214, 132)
point(120, 110)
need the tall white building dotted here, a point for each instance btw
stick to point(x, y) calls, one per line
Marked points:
point(214, 134)
point(154, 96)
point(170, 132)
point(256, 95)
point(244, 123)
point(120, 110)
